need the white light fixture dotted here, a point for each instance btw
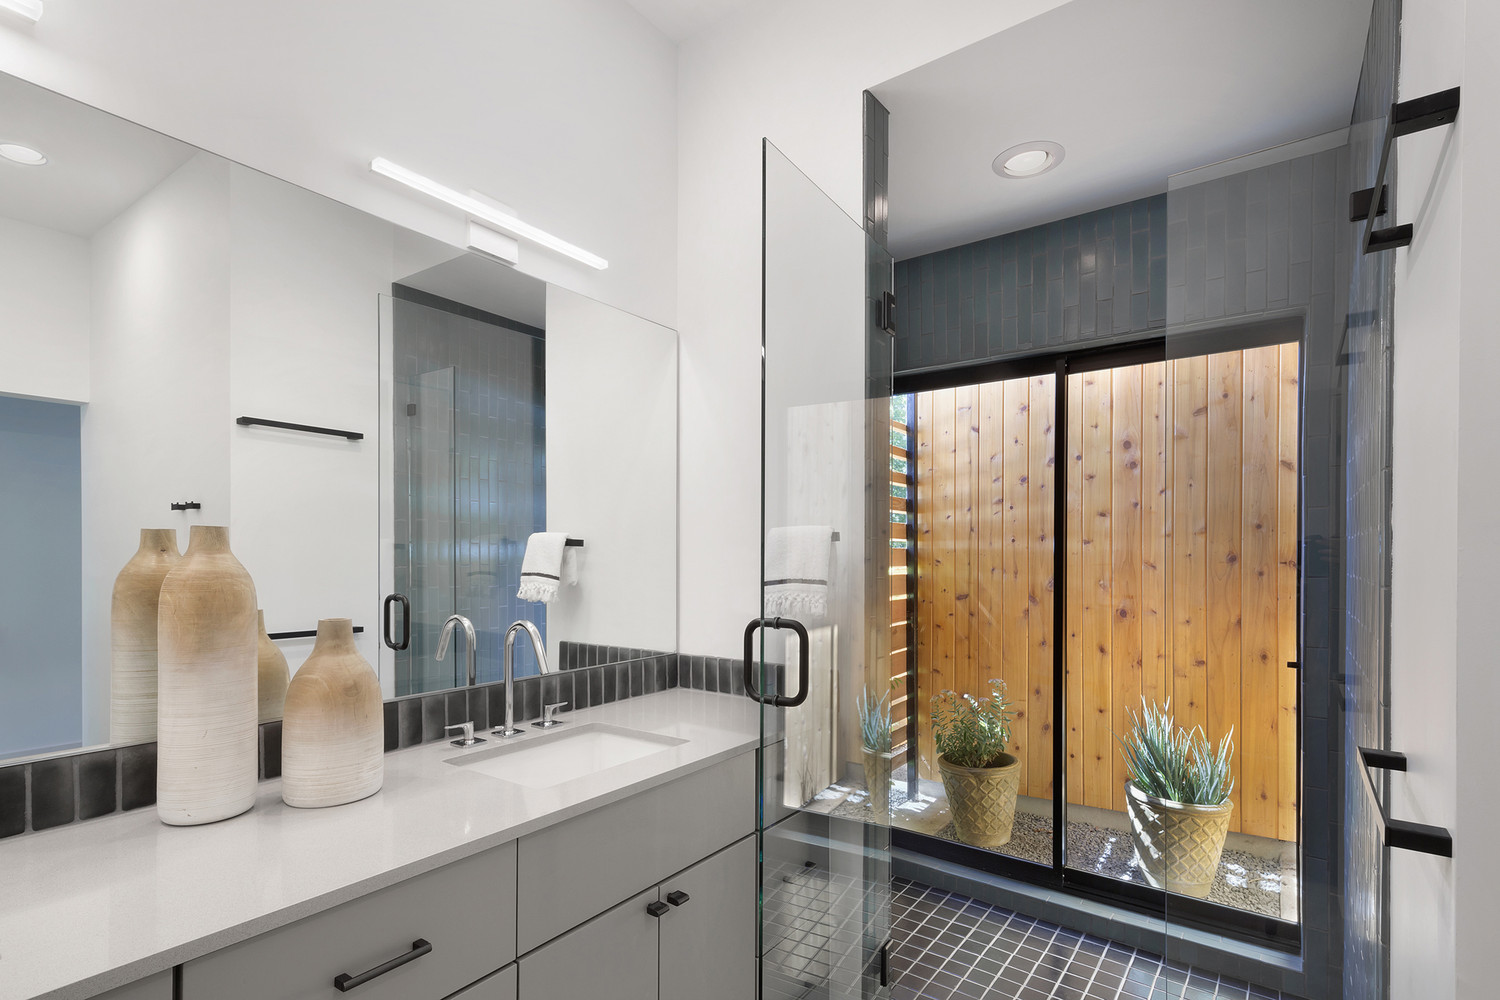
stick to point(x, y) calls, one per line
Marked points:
point(496, 246)
point(1029, 159)
point(24, 155)
point(479, 210)
point(29, 9)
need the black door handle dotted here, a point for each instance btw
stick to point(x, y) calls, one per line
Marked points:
point(656, 908)
point(779, 700)
point(385, 614)
point(677, 897)
point(344, 982)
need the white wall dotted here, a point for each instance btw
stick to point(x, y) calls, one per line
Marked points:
point(565, 109)
point(156, 428)
point(1445, 536)
point(612, 473)
point(793, 72)
point(1476, 916)
point(306, 274)
point(44, 336)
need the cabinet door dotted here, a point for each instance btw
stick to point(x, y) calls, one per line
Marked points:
point(708, 936)
point(157, 987)
point(500, 986)
point(612, 956)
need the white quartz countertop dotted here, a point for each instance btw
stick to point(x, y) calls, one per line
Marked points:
point(98, 904)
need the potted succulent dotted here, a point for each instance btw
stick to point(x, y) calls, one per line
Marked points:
point(981, 779)
point(875, 733)
point(1177, 799)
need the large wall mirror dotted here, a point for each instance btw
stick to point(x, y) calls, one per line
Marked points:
point(153, 294)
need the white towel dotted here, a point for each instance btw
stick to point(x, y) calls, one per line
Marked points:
point(547, 563)
point(797, 571)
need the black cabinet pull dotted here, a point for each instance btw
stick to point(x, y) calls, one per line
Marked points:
point(656, 907)
point(385, 614)
point(677, 897)
point(344, 982)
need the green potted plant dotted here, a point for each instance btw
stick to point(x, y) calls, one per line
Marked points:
point(875, 734)
point(981, 779)
point(1177, 799)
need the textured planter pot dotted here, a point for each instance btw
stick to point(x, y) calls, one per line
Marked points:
point(878, 781)
point(273, 674)
point(1178, 844)
point(206, 694)
point(333, 732)
point(982, 799)
point(132, 636)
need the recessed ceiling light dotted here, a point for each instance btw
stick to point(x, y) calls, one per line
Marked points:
point(1028, 159)
point(17, 153)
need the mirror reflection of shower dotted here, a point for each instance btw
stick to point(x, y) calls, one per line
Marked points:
point(470, 477)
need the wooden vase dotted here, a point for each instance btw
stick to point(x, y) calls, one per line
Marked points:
point(333, 731)
point(132, 637)
point(206, 694)
point(274, 674)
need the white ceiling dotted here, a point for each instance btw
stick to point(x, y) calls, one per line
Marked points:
point(680, 19)
point(1134, 92)
point(97, 165)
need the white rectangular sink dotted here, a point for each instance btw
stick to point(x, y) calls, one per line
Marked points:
point(544, 759)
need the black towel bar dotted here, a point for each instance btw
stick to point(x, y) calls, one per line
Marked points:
point(309, 428)
point(1416, 115)
point(305, 634)
point(1400, 833)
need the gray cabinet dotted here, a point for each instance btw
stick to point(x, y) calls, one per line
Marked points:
point(464, 913)
point(707, 944)
point(584, 866)
point(157, 987)
point(500, 986)
point(613, 956)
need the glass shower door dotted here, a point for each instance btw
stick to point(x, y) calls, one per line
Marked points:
point(825, 851)
point(425, 539)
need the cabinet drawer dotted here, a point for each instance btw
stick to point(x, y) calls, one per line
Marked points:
point(157, 987)
point(465, 910)
point(582, 867)
point(612, 956)
point(708, 937)
point(500, 986)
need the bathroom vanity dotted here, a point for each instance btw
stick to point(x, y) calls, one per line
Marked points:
point(635, 881)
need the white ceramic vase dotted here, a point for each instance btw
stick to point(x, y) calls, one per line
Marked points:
point(132, 636)
point(333, 730)
point(273, 674)
point(206, 695)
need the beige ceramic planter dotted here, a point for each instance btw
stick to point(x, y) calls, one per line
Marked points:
point(1179, 845)
point(982, 799)
point(878, 781)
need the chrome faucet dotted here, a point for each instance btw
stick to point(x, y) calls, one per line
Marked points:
point(442, 650)
point(510, 682)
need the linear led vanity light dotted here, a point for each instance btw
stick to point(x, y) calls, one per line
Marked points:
point(480, 210)
point(29, 9)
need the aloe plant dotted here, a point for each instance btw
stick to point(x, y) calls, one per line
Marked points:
point(969, 731)
point(1169, 762)
point(875, 722)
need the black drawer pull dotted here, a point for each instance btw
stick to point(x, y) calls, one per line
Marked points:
point(344, 982)
point(656, 907)
point(677, 897)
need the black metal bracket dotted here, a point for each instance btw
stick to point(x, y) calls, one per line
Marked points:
point(1400, 833)
point(574, 543)
point(1416, 115)
point(305, 634)
point(309, 428)
point(187, 505)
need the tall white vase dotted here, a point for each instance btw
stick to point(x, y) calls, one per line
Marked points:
point(333, 732)
point(132, 637)
point(274, 673)
point(207, 678)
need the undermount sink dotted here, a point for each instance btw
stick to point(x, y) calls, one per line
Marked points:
point(542, 760)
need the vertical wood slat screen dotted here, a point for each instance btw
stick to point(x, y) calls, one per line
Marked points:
point(1182, 576)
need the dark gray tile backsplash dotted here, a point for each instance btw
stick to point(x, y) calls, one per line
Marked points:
point(60, 790)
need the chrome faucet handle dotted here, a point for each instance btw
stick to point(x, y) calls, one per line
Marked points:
point(549, 716)
point(468, 739)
